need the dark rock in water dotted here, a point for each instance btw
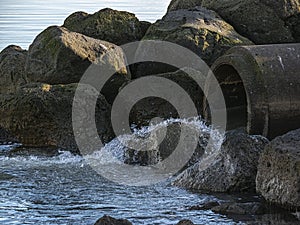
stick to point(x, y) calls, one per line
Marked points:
point(278, 176)
point(185, 222)
point(5, 176)
point(232, 169)
point(274, 219)
point(202, 31)
point(118, 27)
point(59, 56)
point(6, 137)
point(12, 68)
point(152, 107)
point(205, 206)
point(39, 152)
point(107, 220)
point(40, 115)
point(161, 143)
point(249, 208)
point(263, 22)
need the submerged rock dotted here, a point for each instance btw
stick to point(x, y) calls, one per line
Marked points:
point(118, 27)
point(40, 115)
point(185, 222)
point(202, 31)
point(107, 220)
point(59, 56)
point(232, 169)
point(278, 176)
point(263, 22)
point(12, 68)
point(248, 208)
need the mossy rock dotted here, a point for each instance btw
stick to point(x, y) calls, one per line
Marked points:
point(183, 4)
point(202, 31)
point(59, 56)
point(262, 21)
point(40, 115)
point(118, 27)
point(12, 68)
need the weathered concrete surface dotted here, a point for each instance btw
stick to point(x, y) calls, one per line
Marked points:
point(261, 87)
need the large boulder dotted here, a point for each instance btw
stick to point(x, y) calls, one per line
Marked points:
point(12, 68)
point(118, 27)
point(183, 4)
point(278, 176)
point(231, 169)
point(40, 115)
point(108, 220)
point(152, 107)
point(202, 31)
point(148, 147)
point(263, 22)
point(59, 56)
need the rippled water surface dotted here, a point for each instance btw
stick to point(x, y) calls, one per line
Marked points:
point(22, 20)
point(64, 190)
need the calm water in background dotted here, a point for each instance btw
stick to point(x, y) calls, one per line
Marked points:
point(22, 20)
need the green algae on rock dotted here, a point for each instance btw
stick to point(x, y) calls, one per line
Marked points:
point(118, 27)
point(202, 31)
point(59, 56)
point(12, 66)
point(40, 115)
point(263, 22)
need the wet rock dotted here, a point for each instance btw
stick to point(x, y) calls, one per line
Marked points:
point(153, 107)
point(39, 152)
point(118, 27)
point(5, 176)
point(278, 176)
point(59, 56)
point(159, 143)
point(40, 115)
point(231, 169)
point(205, 206)
point(107, 220)
point(248, 208)
point(282, 218)
point(142, 151)
point(12, 68)
point(202, 31)
point(185, 222)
